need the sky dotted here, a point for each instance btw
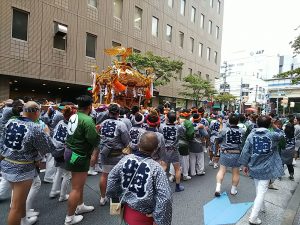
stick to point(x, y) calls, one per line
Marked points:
point(254, 25)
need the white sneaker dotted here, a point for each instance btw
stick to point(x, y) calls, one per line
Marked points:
point(54, 194)
point(32, 213)
point(63, 198)
point(73, 219)
point(185, 178)
point(98, 168)
point(171, 178)
point(255, 222)
point(103, 201)
point(28, 221)
point(92, 173)
point(216, 165)
point(84, 209)
point(210, 163)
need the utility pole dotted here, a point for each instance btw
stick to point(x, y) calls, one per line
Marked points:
point(225, 75)
point(241, 96)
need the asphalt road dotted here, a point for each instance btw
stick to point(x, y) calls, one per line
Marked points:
point(187, 205)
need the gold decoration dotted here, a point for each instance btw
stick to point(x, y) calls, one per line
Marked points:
point(121, 82)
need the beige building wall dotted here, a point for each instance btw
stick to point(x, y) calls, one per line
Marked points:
point(36, 58)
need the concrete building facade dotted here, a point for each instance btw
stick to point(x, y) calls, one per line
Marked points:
point(48, 47)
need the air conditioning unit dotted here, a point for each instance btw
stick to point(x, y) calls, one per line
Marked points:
point(60, 29)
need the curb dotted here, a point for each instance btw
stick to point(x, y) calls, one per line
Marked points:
point(290, 212)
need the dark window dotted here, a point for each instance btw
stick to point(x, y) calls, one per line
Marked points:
point(60, 36)
point(20, 25)
point(91, 45)
point(136, 51)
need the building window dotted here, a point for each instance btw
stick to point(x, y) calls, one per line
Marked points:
point(200, 50)
point(115, 44)
point(219, 6)
point(211, 3)
point(170, 3)
point(182, 7)
point(181, 39)
point(190, 71)
point(169, 33)
point(216, 57)
point(92, 3)
point(20, 24)
point(208, 53)
point(209, 27)
point(191, 44)
point(60, 36)
point(91, 41)
point(154, 26)
point(136, 51)
point(202, 18)
point(118, 8)
point(217, 32)
point(193, 15)
point(207, 77)
point(138, 12)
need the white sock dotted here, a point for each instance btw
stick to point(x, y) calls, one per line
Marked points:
point(81, 205)
point(218, 187)
point(233, 189)
point(69, 218)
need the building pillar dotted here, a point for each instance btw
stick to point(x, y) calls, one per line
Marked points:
point(4, 88)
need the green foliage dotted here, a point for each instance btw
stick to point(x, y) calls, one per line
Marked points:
point(295, 74)
point(164, 68)
point(296, 45)
point(224, 97)
point(196, 88)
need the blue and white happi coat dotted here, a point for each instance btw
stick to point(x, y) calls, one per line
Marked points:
point(260, 154)
point(23, 141)
point(149, 192)
point(114, 138)
point(135, 133)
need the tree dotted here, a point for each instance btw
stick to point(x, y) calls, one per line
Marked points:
point(294, 74)
point(196, 88)
point(224, 98)
point(164, 68)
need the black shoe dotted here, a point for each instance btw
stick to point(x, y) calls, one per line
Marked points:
point(291, 177)
point(217, 194)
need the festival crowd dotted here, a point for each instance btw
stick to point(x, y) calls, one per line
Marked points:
point(137, 152)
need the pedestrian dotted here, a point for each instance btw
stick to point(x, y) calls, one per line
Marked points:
point(81, 144)
point(230, 140)
point(288, 153)
point(215, 128)
point(186, 133)
point(153, 122)
point(170, 133)
point(19, 154)
point(136, 131)
point(197, 147)
point(62, 177)
point(260, 159)
point(114, 138)
point(141, 184)
point(297, 137)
